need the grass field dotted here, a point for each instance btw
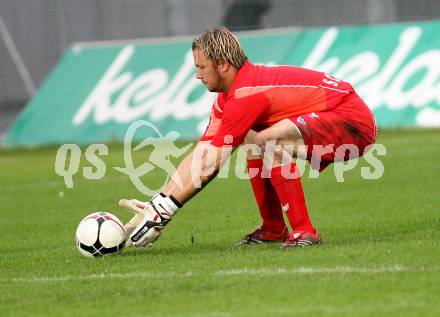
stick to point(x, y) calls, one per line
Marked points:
point(380, 257)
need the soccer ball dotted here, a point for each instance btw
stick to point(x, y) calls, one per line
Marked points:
point(99, 234)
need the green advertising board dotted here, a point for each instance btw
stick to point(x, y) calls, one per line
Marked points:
point(98, 89)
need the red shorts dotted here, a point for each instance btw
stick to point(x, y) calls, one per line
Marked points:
point(339, 134)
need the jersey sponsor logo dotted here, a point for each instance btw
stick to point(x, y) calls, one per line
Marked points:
point(301, 120)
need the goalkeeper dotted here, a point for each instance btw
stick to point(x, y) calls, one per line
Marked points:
point(283, 108)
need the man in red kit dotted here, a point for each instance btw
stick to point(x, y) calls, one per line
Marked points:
point(274, 107)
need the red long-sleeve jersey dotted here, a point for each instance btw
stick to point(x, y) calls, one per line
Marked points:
point(261, 95)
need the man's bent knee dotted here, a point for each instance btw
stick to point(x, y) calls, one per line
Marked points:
point(283, 140)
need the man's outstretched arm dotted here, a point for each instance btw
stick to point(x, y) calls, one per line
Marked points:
point(196, 171)
point(192, 174)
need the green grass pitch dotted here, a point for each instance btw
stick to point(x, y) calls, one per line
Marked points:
point(380, 256)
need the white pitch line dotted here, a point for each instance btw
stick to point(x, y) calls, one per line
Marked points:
point(232, 272)
point(102, 276)
point(309, 270)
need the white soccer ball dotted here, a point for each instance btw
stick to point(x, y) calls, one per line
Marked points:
point(99, 234)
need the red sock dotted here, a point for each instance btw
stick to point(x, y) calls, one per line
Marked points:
point(267, 199)
point(293, 202)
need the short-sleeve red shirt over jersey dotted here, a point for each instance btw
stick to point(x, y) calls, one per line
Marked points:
point(263, 95)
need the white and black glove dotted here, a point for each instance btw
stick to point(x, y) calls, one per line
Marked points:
point(150, 218)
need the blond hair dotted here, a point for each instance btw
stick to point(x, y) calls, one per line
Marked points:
point(220, 45)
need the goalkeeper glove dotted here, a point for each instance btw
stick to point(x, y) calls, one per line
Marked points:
point(150, 218)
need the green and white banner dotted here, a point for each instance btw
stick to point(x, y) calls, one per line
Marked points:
point(98, 89)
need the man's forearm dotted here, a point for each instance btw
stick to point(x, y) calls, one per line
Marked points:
point(194, 172)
